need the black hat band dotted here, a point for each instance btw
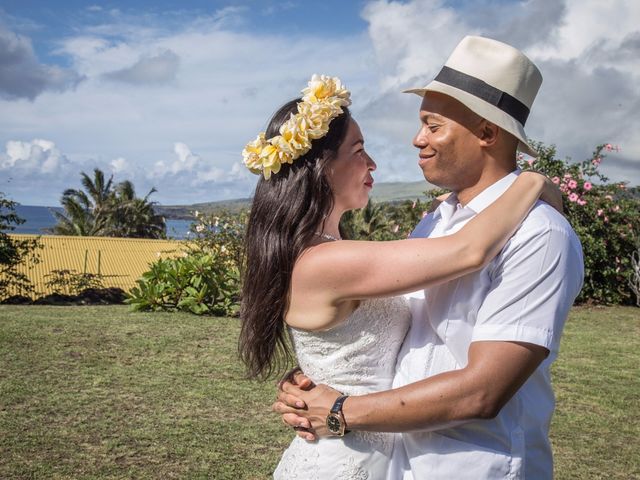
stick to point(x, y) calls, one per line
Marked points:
point(481, 89)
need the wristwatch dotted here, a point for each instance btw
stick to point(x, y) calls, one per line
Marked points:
point(335, 420)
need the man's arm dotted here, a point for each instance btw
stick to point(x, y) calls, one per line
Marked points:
point(496, 370)
point(534, 284)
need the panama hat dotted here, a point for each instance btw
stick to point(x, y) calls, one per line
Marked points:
point(493, 79)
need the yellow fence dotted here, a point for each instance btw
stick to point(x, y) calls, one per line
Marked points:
point(120, 261)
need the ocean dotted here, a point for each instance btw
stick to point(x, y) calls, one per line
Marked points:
point(38, 219)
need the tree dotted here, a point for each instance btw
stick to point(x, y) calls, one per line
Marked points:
point(102, 209)
point(14, 252)
point(133, 217)
point(85, 211)
point(368, 223)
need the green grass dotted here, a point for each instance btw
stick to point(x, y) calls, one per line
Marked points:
point(100, 392)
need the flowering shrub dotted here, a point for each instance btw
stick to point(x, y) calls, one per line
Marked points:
point(222, 234)
point(206, 280)
point(605, 216)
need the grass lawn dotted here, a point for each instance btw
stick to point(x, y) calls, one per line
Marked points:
point(100, 392)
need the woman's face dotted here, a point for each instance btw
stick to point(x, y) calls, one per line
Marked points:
point(350, 172)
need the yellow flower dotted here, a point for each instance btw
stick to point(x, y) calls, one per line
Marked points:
point(323, 100)
point(322, 87)
point(251, 154)
point(293, 136)
point(316, 117)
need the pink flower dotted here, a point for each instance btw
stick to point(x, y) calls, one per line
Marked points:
point(567, 175)
point(616, 208)
point(587, 186)
point(606, 219)
point(582, 201)
point(563, 188)
point(556, 180)
point(572, 184)
point(596, 161)
point(573, 197)
point(531, 161)
point(622, 186)
point(610, 147)
point(608, 197)
point(600, 212)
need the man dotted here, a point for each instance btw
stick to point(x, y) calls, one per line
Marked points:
point(472, 393)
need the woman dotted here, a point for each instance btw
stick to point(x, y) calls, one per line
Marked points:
point(338, 299)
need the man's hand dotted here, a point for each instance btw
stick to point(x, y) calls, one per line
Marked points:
point(312, 416)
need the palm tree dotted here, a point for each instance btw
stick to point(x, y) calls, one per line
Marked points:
point(104, 210)
point(368, 223)
point(85, 211)
point(134, 217)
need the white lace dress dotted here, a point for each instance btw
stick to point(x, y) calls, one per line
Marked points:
point(355, 357)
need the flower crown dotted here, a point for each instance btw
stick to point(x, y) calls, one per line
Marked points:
point(322, 101)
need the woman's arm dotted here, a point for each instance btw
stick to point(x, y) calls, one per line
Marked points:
point(331, 273)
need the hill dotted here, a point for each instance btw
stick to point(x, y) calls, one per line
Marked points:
point(382, 192)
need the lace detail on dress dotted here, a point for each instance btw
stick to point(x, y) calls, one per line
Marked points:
point(350, 470)
point(355, 357)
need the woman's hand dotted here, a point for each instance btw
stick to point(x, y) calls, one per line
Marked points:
point(550, 194)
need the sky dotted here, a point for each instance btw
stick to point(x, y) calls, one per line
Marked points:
point(167, 93)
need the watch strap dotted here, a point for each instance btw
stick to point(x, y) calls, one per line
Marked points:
point(337, 406)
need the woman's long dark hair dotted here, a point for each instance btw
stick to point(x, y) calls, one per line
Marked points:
point(285, 214)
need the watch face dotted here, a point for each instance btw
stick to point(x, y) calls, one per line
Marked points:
point(333, 424)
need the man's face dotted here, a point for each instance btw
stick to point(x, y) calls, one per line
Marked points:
point(450, 154)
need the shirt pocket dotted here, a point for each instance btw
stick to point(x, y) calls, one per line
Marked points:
point(448, 458)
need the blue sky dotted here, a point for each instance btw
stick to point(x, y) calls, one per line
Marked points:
point(167, 93)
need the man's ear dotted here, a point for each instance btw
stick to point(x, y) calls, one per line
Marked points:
point(489, 133)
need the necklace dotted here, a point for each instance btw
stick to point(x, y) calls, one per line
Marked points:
point(326, 236)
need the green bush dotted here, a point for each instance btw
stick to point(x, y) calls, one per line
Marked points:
point(70, 282)
point(199, 282)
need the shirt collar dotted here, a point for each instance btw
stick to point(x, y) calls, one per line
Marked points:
point(450, 206)
point(492, 192)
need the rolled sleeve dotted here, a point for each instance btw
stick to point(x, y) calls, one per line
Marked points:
point(534, 282)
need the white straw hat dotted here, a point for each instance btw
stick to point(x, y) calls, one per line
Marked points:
point(495, 80)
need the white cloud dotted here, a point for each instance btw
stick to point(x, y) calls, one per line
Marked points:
point(586, 50)
point(35, 157)
point(120, 165)
point(149, 70)
point(213, 83)
point(229, 84)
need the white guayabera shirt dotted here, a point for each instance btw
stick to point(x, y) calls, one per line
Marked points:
point(523, 295)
